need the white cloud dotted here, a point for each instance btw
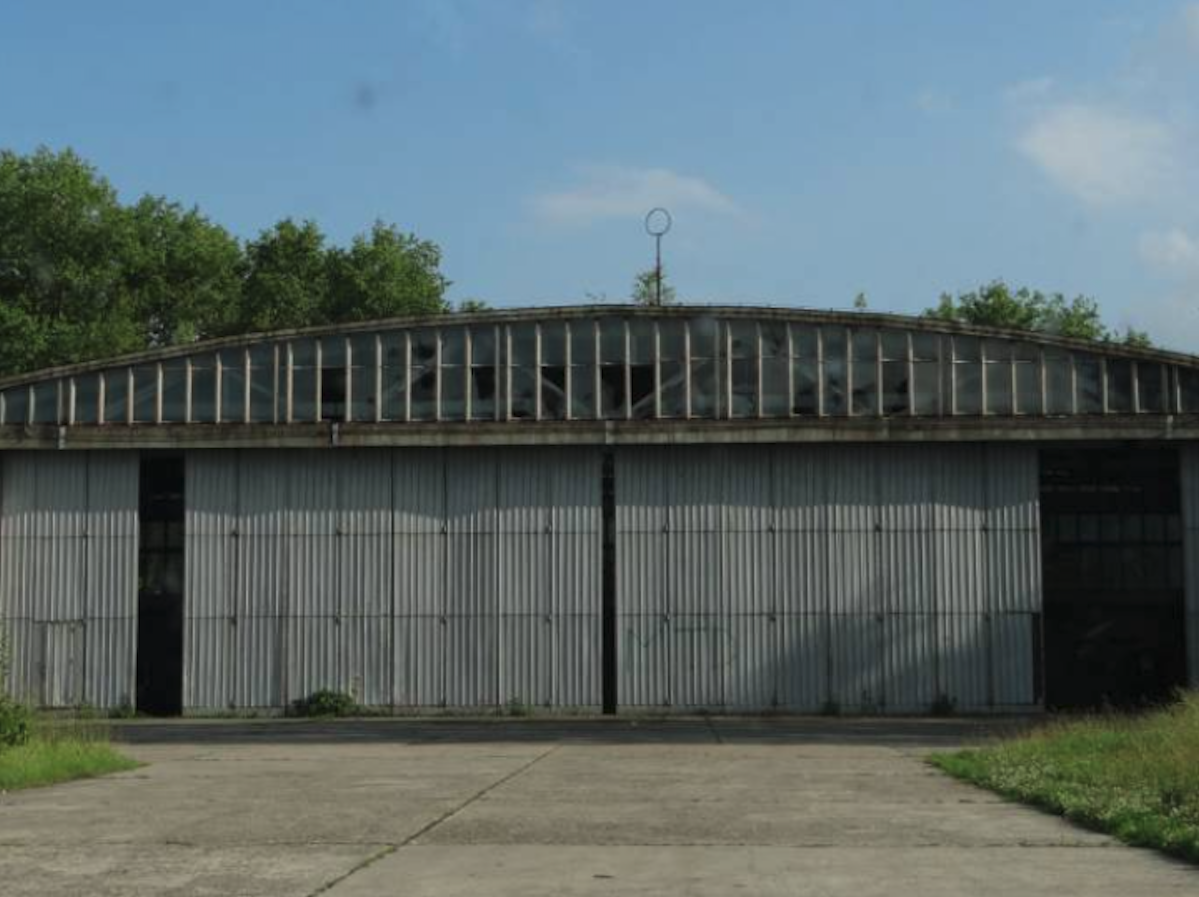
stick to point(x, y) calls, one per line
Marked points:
point(617, 192)
point(1173, 253)
point(1101, 155)
point(1172, 319)
point(1190, 25)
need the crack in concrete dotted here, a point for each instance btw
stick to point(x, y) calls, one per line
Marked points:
point(425, 829)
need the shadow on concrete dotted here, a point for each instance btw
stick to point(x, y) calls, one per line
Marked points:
point(711, 730)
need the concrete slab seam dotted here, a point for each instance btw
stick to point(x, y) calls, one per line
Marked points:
point(425, 829)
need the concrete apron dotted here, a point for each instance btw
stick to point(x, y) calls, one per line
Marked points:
point(711, 807)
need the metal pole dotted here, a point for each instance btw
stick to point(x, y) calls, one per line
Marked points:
point(658, 267)
point(657, 223)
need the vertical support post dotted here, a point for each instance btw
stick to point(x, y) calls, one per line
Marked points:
point(438, 374)
point(247, 386)
point(407, 375)
point(759, 386)
point(849, 363)
point(1015, 384)
point(628, 371)
point(728, 368)
point(687, 368)
point(378, 377)
point(348, 401)
point(275, 384)
point(318, 388)
point(983, 405)
point(658, 268)
point(1043, 378)
point(880, 406)
point(790, 350)
point(290, 398)
point(609, 622)
point(187, 390)
point(595, 371)
point(657, 370)
point(941, 367)
point(508, 372)
point(953, 375)
point(217, 372)
point(1073, 385)
point(568, 373)
point(911, 349)
point(467, 361)
point(497, 367)
point(1103, 383)
point(537, 372)
point(820, 375)
point(158, 393)
point(128, 396)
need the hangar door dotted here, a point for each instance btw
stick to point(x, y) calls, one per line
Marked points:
point(407, 577)
point(872, 578)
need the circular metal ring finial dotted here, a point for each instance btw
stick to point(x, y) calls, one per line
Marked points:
point(657, 222)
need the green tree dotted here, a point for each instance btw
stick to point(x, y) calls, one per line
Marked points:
point(471, 305)
point(645, 289)
point(384, 274)
point(83, 276)
point(185, 272)
point(997, 305)
point(63, 242)
point(286, 278)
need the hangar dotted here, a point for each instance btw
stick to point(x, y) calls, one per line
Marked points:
point(609, 507)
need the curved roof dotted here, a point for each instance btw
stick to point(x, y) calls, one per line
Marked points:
point(610, 369)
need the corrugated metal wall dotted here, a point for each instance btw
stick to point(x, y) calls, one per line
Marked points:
point(1189, 464)
point(876, 578)
point(68, 575)
point(415, 578)
point(870, 577)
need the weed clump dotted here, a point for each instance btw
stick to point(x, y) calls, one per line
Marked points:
point(325, 702)
point(16, 723)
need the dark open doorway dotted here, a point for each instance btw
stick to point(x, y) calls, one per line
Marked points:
point(1113, 573)
point(160, 586)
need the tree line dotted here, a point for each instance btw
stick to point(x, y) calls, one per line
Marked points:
point(86, 276)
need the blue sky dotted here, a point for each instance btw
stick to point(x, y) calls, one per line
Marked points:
point(807, 151)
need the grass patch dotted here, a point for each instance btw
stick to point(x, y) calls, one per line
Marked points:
point(1133, 776)
point(58, 751)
